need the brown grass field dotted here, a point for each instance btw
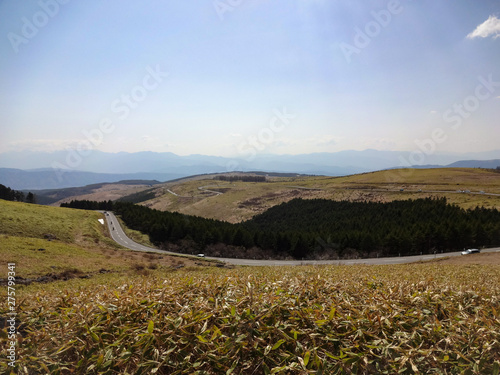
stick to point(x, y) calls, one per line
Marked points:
point(484, 259)
point(427, 318)
point(105, 193)
point(66, 243)
point(101, 309)
point(242, 200)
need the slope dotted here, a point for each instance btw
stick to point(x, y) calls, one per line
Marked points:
point(236, 201)
point(65, 243)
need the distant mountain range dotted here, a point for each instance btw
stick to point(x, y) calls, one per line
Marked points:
point(50, 179)
point(61, 169)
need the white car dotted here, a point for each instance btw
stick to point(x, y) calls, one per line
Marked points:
point(470, 251)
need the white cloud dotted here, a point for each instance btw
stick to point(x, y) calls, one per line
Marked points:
point(490, 27)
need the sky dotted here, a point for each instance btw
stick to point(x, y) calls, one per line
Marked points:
point(222, 77)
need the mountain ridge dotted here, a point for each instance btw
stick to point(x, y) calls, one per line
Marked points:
point(43, 170)
point(49, 179)
point(168, 162)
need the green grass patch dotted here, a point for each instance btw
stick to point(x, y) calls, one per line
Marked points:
point(35, 221)
point(45, 240)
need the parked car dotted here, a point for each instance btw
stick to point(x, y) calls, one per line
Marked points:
point(470, 251)
point(201, 255)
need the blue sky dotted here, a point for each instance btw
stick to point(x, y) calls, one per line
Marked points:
point(283, 76)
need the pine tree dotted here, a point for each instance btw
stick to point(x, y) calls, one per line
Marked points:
point(30, 198)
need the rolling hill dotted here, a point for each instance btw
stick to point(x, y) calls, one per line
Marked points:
point(140, 316)
point(214, 196)
point(61, 169)
point(52, 243)
point(237, 201)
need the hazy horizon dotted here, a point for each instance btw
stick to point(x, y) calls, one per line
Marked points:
point(437, 153)
point(352, 161)
point(255, 78)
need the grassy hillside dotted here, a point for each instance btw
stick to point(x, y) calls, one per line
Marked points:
point(45, 240)
point(145, 317)
point(242, 200)
point(408, 319)
point(65, 225)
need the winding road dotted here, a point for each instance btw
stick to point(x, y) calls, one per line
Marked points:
point(201, 188)
point(119, 236)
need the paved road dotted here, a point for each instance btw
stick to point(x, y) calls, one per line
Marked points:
point(204, 188)
point(119, 236)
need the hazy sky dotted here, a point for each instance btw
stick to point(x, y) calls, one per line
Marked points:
point(218, 77)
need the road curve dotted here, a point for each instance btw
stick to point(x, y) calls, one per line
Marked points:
point(203, 188)
point(119, 236)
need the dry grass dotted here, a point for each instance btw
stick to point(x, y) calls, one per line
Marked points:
point(426, 318)
point(243, 200)
point(165, 315)
point(37, 257)
point(105, 193)
point(485, 259)
point(48, 240)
